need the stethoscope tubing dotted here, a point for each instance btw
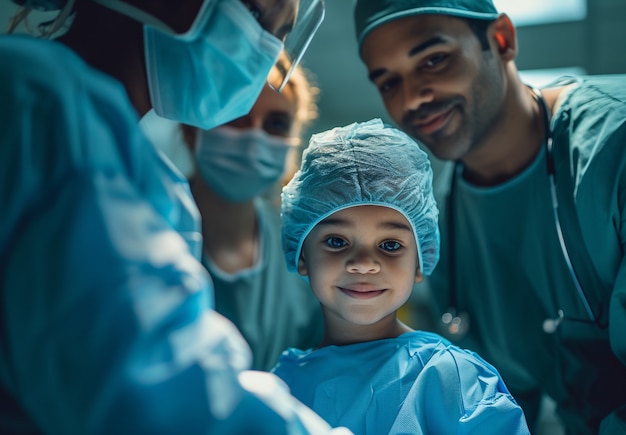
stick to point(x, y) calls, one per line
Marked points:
point(452, 319)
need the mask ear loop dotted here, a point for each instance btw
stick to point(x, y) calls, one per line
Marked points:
point(20, 16)
point(49, 28)
point(46, 29)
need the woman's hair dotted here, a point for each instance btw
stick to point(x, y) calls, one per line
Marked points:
point(305, 94)
point(303, 90)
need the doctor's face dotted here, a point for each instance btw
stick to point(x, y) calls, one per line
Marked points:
point(436, 81)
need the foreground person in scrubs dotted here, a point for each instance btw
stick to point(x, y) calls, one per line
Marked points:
point(360, 223)
point(105, 309)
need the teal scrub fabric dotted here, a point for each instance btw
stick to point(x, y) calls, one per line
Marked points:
point(511, 275)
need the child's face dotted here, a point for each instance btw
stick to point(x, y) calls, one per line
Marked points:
point(361, 263)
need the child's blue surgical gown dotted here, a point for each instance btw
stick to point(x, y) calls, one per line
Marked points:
point(417, 383)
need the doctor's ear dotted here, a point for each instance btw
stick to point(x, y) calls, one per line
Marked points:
point(503, 34)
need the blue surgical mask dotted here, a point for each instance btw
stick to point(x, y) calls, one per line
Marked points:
point(240, 164)
point(214, 72)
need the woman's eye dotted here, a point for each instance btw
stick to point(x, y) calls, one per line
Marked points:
point(390, 246)
point(278, 126)
point(335, 242)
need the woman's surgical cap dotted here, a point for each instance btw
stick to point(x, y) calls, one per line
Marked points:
point(370, 14)
point(366, 163)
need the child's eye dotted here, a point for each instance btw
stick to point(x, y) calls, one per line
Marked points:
point(335, 242)
point(390, 246)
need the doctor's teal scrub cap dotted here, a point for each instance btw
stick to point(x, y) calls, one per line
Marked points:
point(369, 14)
point(367, 163)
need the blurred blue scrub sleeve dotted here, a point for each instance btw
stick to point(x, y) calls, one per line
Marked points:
point(105, 311)
point(417, 383)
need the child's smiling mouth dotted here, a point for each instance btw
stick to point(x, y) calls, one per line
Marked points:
point(362, 293)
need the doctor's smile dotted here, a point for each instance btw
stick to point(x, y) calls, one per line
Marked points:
point(432, 123)
point(432, 118)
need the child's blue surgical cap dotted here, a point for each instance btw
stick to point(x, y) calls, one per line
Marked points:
point(366, 163)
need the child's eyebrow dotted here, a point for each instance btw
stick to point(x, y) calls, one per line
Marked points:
point(395, 226)
point(392, 225)
point(336, 221)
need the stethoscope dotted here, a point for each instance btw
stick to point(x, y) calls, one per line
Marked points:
point(457, 323)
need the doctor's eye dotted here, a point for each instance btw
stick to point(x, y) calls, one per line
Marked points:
point(390, 246)
point(335, 242)
point(435, 60)
point(388, 85)
point(254, 9)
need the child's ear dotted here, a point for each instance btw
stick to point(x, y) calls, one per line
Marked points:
point(302, 265)
point(419, 276)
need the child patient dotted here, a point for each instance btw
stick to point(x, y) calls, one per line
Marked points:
point(360, 223)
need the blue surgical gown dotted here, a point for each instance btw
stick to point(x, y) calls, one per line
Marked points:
point(106, 326)
point(417, 383)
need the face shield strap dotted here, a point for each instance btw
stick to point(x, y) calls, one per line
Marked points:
point(20, 16)
point(136, 14)
point(310, 16)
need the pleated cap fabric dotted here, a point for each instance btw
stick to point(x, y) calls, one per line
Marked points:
point(368, 163)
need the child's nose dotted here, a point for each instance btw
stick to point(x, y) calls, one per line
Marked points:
point(362, 262)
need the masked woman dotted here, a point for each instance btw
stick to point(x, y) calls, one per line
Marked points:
point(235, 172)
